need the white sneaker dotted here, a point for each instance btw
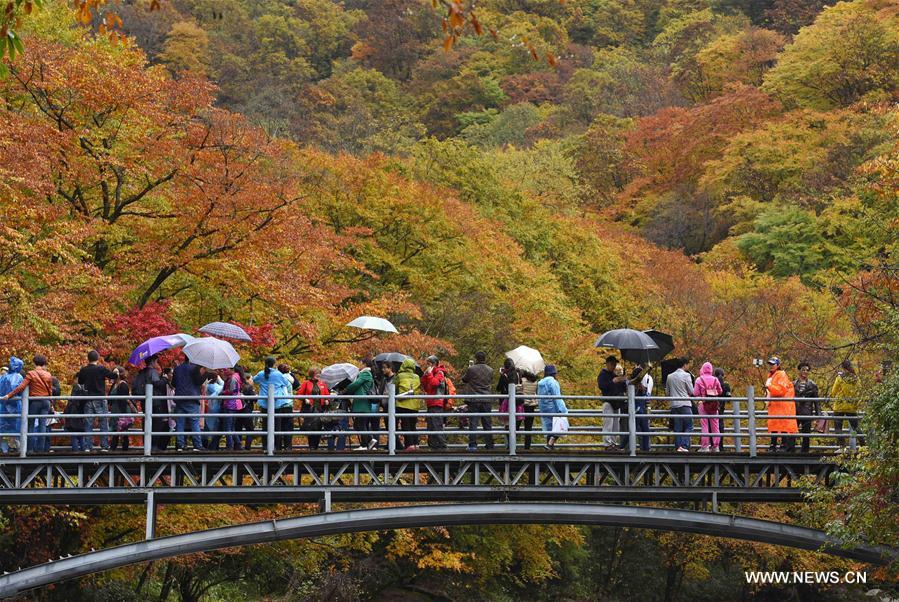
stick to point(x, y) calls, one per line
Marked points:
point(683, 450)
point(703, 450)
point(362, 448)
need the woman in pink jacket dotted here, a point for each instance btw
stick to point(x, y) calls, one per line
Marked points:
point(708, 386)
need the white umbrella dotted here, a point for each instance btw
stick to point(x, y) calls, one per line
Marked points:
point(227, 330)
point(211, 353)
point(372, 323)
point(336, 373)
point(527, 358)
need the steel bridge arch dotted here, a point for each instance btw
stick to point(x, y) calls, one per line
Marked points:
point(332, 523)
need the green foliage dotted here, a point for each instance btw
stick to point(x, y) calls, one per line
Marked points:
point(850, 52)
point(510, 127)
point(784, 242)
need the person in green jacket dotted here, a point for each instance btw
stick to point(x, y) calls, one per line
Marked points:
point(407, 383)
point(364, 423)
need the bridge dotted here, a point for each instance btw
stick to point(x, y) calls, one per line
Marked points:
point(580, 481)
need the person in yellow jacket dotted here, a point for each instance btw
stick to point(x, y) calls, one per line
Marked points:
point(845, 395)
point(781, 411)
point(407, 383)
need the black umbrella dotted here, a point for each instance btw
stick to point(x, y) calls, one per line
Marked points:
point(635, 346)
point(664, 341)
point(393, 357)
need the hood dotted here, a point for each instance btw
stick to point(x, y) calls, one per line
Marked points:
point(15, 365)
point(706, 369)
point(408, 365)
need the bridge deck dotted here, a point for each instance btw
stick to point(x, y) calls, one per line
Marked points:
point(367, 477)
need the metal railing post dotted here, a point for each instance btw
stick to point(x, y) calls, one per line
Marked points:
point(513, 417)
point(150, 532)
point(391, 419)
point(852, 434)
point(23, 427)
point(270, 421)
point(738, 440)
point(148, 419)
point(750, 407)
point(631, 420)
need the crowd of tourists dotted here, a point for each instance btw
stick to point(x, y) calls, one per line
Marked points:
point(198, 409)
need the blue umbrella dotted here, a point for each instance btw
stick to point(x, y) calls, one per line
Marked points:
point(156, 345)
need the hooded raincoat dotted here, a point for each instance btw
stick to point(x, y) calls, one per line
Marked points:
point(781, 412)
point(407, 380)
point(10, 425)
point(845, 393)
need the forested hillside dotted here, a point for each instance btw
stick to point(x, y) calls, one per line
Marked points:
point(723, 171)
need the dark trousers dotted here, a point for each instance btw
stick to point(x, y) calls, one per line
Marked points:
point(284, 423)
point(788, 442)
point(477, 407)
point(362, 423)
point(805, 426)
point(160, 440)
point(407, 420)
point(528, 424)
point(852, 422)
point(435, 423)
point(244, 423)
point(640, 407)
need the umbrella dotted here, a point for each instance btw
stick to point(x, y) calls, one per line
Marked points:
point(635, 346)
point(226, 330)
point(337, 373)
point(372, 323)
point(211, 353)
point(393, 357)
point(664, 341)
point(155, 345)
point(527, 358)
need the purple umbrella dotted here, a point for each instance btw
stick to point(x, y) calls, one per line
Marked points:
point(155, 345)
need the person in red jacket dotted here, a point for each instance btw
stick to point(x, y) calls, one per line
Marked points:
point(313, 385)
point(433, 382)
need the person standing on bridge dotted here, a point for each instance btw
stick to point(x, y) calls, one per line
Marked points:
point(433, 382)
point(232, 404)
point(93, 378)
point(313, 385)
point(806, 404)
point(363, 409)
point(781, 407)
point(478, 380)
point(845, 399)
point(408, 383)
point(643, 384)
point(159, 389)
point(124, 405)
point(679, 385)
point(611, 385)
point(40, 383)
point(271, 379)
point(189, 380)
point(551, 402)
point(708, 386)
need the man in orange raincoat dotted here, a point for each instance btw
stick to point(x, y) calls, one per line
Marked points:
point(782, 411)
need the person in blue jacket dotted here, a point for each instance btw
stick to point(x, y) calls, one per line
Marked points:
point(11, 424)
point(553, 404)
point(274, 378)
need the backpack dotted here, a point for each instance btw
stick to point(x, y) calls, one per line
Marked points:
point(448, 383)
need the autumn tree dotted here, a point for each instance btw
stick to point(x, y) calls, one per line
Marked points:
point(850, 51)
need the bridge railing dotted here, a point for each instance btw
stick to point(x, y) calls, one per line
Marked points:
point(629, 423)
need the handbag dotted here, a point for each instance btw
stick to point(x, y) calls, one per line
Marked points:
point(822, 424)
point(560, 424)
point(124, 422)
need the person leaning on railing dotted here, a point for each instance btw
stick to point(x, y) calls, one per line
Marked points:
point(40, 384)
point(845, 391)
